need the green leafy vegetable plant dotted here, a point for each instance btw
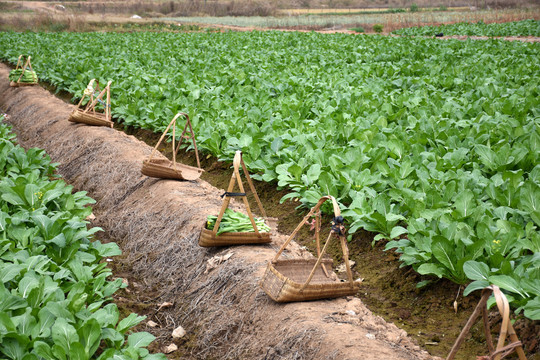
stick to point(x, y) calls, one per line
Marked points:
point(55, 290)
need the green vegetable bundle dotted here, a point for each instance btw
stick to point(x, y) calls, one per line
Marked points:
point(233, 221)
point(27, 77)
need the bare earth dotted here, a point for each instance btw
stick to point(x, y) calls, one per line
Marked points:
point(157, 223)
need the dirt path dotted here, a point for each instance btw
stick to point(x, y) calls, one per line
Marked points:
point(157, 222)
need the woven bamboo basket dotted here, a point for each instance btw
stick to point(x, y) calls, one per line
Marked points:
point(89, 115)
point(163, 168)
point(289, 280)
point(209, 238)
point(506, 328)
point(20, 65)
point(21, 84)
point(96, 119)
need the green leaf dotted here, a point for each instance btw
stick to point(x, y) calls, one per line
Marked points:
point(10, 272)
point(76, 352)
point(6, 323)
point(423, 283)
point(14, 346)
point(140, 339)
point(90, 336)
point(313, 173)
point(431, 269)
point(443, 252)
point(64, 334)
point(475, 270)
point(476, 285)
point(276, 144)
point(507, 283)
point(532, 309)
point(130, 321)
point(397, 231)
point(43, 350)
point(465, 203)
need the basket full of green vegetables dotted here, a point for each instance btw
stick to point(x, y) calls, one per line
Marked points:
point(23, 74)
point(235, 228)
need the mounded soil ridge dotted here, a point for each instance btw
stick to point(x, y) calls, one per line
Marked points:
point(157, 223)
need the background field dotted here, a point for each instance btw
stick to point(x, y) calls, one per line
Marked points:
point(88, 16)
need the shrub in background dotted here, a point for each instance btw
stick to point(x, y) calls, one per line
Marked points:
point(378, 28)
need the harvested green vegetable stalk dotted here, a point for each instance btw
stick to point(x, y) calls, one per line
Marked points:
point(27, 77)
point(233, 221)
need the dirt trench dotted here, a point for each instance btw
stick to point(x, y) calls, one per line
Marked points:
point(157, 223)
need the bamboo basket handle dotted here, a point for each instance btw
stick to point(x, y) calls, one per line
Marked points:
point(344, 249)
point(173, 139)
point(108, 101)
point(224, 205)
point(90, 84)
point(343, 240)
point(236, 162)
point(506, 327)
point(479, 308)
point(173, 121)
point(318, 239)
point(252, 187)
point(19, 62)
point(32, 70)
point(191, 136)
point(317, 263)
point(91, 95)
point(99, 97)
point(24, 68)
point(311, 212)
point(227, 199)
point(234, 178)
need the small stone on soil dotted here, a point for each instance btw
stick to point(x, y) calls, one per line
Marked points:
point(151, 324)
point(342, 268)
point(165, 304)
point(178, 333)
point(171, 348)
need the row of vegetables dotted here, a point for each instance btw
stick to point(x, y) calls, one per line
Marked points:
point(528, 27)
point(55, 287)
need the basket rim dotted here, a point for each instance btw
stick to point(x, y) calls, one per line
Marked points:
point(92, 114)
point(236, 233)
point(287, 280)
point(156, 163)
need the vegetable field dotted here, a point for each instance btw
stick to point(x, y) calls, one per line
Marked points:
point(55, 288)
point(517, 28)
point(432, 145)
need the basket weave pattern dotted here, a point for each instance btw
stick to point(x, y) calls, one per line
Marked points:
point(96, 119)
point(208, 239)
point(309, 279)
point(20, 84)
point(164, 169)
point(283, 282)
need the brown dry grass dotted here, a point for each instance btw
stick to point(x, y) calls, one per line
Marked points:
point(42, 21)
point(178, 8)
point(399, 21)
